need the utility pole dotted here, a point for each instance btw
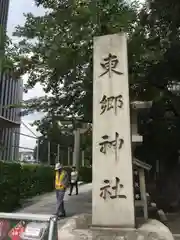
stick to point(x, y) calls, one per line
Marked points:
point(37, 151)
point(83, 158)
point(76, 154)
point(58, 152)
point(76, 151)
point(49, 153)
point(69, 156)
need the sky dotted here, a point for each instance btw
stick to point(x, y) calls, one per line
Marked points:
point(15, 17)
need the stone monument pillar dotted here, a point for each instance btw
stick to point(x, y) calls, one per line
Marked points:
point(113, 198)
point(112, 192)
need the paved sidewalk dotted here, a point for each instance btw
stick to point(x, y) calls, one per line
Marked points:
point(81, 203)
point(75, 204)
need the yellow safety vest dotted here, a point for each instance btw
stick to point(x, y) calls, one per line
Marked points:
point(58, 180)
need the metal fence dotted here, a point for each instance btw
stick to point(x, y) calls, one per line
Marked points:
point(26, 147)
point(50, 150)
point(31, 148)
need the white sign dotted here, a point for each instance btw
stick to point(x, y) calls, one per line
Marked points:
point(34, 232)
point(113, 201)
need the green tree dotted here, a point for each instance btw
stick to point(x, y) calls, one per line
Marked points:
point(54, 134)
point(161, 25)
point(160, 73)
point(60, 57)
point(160, 127)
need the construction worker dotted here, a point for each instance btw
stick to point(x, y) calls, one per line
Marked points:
point(61, 184)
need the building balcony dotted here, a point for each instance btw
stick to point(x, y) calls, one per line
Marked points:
point(6, 123)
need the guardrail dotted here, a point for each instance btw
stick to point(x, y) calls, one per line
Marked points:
point(16, 226)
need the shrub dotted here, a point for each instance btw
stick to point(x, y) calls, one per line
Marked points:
point(19, 182)
point(36, 179)
point(9, 185)
point(85, 174)
point(23, 181)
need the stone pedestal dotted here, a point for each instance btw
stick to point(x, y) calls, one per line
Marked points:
point(79, 228)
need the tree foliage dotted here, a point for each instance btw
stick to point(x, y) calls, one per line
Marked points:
point(161, 23)
point(56, 50)
point(54, 135)
point(57, 135)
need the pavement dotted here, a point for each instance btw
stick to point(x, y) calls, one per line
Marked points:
point(75, 204)
point(81, 203)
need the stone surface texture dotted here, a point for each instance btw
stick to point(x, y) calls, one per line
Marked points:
point(79, 227)
point(115, 161)
point(155, 229)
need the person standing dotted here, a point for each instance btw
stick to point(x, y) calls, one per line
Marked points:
point(74, 180)
point(61, 184)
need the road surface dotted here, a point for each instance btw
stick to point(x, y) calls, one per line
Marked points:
point(75, 204)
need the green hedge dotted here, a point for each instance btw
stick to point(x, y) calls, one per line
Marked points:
point(18, 182)
point(85, 173)
point(38, 178)
point(9, 186)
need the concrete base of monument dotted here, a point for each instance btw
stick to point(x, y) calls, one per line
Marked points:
point(80, 227)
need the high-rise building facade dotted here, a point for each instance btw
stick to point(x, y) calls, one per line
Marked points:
point(10, 94)
point(4, 7)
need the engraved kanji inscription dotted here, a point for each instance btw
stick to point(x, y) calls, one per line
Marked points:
point(111, 190)
point(105, 190)
point(108, 103)
point(109, 65)
point(116, 144)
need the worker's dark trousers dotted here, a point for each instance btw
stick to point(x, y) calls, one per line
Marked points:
point(72, 185)
point(60, 202)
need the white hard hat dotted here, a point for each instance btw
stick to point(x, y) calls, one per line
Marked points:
point(58, 166)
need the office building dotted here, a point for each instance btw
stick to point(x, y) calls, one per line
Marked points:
point(10, 94)
point(4, 7)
